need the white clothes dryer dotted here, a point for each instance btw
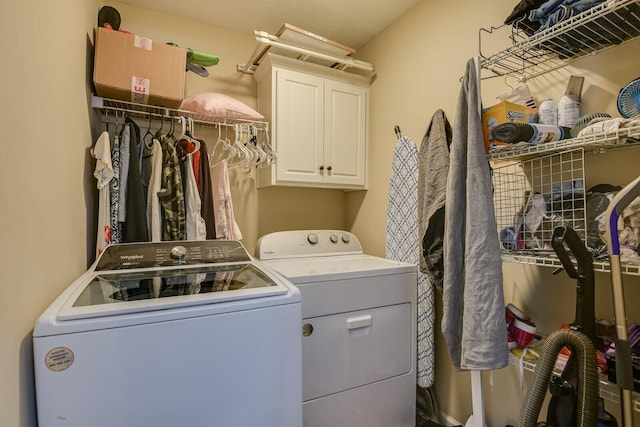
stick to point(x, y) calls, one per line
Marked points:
point(171, 334)
point(358, 327)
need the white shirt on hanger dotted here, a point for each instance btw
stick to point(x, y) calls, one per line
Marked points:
point(196, 227)
point(154, 211)
point(103, 173)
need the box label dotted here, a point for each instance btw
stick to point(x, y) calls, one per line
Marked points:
point(140, 90)
point(143, 43)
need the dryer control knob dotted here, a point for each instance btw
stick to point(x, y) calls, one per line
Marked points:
point(178, 252)
point(333, 238)
point(312, 238)
point(345, 238)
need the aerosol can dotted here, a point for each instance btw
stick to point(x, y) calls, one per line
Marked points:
point(569, 105)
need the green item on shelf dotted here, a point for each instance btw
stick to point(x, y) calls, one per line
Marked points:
point(201, 58)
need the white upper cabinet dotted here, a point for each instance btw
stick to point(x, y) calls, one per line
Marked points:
point(319, 124)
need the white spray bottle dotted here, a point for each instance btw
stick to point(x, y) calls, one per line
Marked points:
point(569, 105)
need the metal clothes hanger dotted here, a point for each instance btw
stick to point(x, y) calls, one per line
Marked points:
point(106, 120)
point(159, 131)
point(148, 136)
point(187, 126)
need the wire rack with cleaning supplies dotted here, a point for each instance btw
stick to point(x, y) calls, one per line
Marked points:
point(608, 24)
point(533, 197)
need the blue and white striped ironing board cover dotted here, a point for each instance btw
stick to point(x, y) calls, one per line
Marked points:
point(403, 243)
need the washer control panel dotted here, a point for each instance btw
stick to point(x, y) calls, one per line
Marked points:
point(304, 243)
point(165, 254)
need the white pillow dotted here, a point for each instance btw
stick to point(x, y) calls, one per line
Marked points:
point(219, 106)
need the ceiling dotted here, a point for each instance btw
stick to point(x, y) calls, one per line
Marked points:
point(352, 22)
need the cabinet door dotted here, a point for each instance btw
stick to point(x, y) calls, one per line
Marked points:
point(299, 126)
point(345, 133)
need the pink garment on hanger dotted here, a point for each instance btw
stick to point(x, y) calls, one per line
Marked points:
point(226, 226)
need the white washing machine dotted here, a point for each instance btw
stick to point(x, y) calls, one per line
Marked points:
point(171, 334)
point(359, 328)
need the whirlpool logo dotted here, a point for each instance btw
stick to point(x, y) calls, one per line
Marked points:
point(131, 257)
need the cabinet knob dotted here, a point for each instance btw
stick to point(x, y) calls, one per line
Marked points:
point(321, 168)
point(329, 168)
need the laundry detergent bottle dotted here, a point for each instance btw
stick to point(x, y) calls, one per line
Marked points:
point(569, 105)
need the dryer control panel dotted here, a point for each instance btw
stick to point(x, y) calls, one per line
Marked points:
point(305, 243)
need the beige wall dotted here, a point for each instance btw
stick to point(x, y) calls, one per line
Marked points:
point(419, 60)
point(44, 177)
point(48, 190)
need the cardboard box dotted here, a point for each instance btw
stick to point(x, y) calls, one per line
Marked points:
point(504, 112)
point(137, 69)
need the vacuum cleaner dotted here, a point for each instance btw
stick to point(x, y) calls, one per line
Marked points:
point(624, 369)
point(575, 398)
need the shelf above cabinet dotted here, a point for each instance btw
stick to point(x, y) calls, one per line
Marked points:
point(603, 26)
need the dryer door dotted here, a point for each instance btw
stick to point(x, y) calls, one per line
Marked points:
point(348, 350)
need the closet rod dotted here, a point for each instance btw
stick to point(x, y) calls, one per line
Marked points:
point(157, 112)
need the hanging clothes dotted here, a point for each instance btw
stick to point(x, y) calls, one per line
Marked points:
point(226, 226)
point(103, 173)
point(171, 194)
point(432, 182)
point(135, 229)
point(195, 225)
point(473, 300)
point(114, 192)
point(403, 244)
point(154, 211)
point(145, 158)
point(125, 146)
point(195, 161)
point(203, 178)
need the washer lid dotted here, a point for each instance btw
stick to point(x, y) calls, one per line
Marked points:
point(142, 290)
point(316, 269)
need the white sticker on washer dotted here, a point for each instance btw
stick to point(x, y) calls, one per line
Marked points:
point(59, 358)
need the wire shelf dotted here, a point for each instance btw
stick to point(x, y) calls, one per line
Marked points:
point(550, 260)
point(603, 26)
point(608, 391)
point(153, 111)
point(533, 197)
point(597, 142)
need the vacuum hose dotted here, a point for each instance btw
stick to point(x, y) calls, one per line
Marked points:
point(588, 386)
